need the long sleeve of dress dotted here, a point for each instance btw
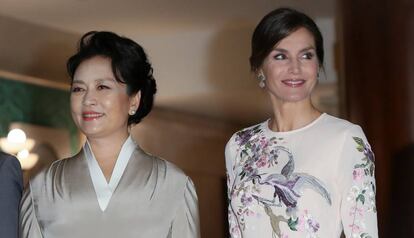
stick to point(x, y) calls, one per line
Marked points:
point(230, 154)
point(28, 225)
point(11, 191)
point(186, 222)
point(357, 183)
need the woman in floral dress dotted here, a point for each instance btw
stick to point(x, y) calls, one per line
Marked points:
point(301, 173)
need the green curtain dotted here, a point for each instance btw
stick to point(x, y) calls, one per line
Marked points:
point(37, 105)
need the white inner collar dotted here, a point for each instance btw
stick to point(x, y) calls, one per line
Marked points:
point(103, 189)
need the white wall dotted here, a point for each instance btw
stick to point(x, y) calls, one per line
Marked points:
point(34, 50)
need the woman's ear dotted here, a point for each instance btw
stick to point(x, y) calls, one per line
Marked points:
point(134, 101)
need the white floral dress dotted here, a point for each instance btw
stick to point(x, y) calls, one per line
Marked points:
point(316, 181)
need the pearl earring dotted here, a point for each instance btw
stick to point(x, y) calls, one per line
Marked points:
point(132, 112)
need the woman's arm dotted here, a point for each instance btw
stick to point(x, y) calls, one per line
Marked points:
point(357, 183)
point(230, 155)
point(28, 225)
point(186, 221)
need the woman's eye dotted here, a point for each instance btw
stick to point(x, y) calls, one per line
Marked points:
point(100, 87)
point(279, 57)
point(307, 56)
point(76, 89)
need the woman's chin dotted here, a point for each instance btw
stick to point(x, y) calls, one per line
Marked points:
point(295, 98)
point(92, 132)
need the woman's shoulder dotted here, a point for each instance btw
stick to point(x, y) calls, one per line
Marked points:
point(172, 180)
point(169, 170)
point(246, 133)
point(54, 170)
point(252, 129)
point(337, 124)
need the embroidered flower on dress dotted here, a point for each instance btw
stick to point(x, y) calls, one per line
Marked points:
point(353, 193)
point(358, 174)
point(262, 162)
point(308, 225)
point(362, 194)
point(246, 200)
point(256, 151)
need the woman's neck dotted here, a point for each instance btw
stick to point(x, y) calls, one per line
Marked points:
point(106, 151)
point(292, 116)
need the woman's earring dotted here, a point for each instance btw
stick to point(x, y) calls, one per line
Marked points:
point(261, 79)
point(132, 112)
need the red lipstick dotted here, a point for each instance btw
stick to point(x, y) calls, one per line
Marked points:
point(91, 115)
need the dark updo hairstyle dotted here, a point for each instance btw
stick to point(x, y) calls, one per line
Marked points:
point(277, 25)
point(130, 66)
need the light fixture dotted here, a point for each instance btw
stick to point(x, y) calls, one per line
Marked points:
point(19, 145)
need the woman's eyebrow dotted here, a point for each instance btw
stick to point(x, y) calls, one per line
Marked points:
point(302, 50)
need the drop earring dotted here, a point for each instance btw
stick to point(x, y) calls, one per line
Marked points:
point(261, 79)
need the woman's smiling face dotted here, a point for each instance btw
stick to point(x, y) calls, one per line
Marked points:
point(291, 68)
point(99, 103)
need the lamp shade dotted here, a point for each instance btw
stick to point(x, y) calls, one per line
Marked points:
point(18, 144)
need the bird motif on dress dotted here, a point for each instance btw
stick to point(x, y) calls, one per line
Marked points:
point(288, 185)
point(288, 188)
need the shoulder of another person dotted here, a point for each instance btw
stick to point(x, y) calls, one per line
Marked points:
point(4, 156)
point(9, 160)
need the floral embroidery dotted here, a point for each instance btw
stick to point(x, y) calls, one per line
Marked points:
point(368, 161)
point(358, 174)
point(256, 151)
point(362, 194)
point(307, 224)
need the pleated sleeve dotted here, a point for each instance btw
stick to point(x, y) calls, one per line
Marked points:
point(186, 220)
point(28, 224)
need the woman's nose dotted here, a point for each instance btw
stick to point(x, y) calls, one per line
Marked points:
point(89, 98)
point(294, 66)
